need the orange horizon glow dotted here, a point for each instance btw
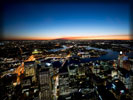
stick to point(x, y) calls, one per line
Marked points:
point(103, 37)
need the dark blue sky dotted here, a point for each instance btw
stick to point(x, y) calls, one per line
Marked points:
point(65, 20)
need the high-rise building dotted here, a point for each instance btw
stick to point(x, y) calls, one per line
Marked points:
point(122, 57)
point(81, 71)
point(30, 70)
point(72, 69)
point(45, 84)
point(127, 65)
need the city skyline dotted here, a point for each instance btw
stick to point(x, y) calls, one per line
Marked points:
point(66, 21)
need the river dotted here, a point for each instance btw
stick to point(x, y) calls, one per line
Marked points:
point(111, 55)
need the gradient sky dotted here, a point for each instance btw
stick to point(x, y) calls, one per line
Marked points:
point(56, 20)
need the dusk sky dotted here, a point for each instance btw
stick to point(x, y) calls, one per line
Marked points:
point(61, 20)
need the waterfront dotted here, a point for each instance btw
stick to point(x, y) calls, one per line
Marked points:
point(65, 70)
point(111, 55)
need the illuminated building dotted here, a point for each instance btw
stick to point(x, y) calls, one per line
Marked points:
point(26, 84)
point(114, 64)
point(30, 70)
point(36, 52)
point(64, 88)
point(122, 57)
point(95, 68)
point(127, 65)
point(45, 84)
point(114, 73)
point(72, 69)
point(81, 71)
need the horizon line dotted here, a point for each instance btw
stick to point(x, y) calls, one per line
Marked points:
point(101, 37)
